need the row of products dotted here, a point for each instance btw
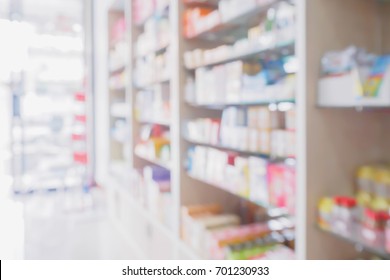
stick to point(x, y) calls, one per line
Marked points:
point(145, 9)
point(152, 188)
point(241, 81)
point(155, 36)
point(278, 29)
point(366, 216)
point(254, 178)
point(118, 81)
point(371, 68)
point(153, 68)
point(154, 143)
point(217, 235)
point(201, 19)
point(154, 104)
point(254, 129)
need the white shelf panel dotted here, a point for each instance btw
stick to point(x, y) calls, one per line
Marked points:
point(166, 165)
point(287, 48)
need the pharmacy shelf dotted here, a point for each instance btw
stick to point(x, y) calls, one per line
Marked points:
point(226, 188)
point(159, 162)
point(240, 20)
point(281, 49)
point(245, 152)
point(359, 242)
point(161, 122)
point(221, 106)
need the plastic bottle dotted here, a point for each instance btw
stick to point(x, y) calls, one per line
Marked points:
point(325, 211)
point(382, 184)
point(365, 178)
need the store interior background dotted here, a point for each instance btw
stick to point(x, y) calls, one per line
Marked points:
point(106, 108)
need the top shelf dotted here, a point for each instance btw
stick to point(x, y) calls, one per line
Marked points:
point(240, 21)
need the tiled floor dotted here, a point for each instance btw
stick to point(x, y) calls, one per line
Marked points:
point(68, 226)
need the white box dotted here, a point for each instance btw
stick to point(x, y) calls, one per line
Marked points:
point(345, 91)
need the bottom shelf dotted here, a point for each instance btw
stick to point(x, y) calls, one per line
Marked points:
point(359, 241)
point(145, 214)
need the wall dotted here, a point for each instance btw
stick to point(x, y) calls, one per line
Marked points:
point(338, 140)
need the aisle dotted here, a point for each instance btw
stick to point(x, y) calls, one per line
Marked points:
point(57, 227)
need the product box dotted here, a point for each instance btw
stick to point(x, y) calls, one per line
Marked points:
point(278, 143)
point(253, 118)
point(234, 72)
point(283, 143)
point(242, 138)
point(291, 144)
point(242, 180)
point(258, 185)
point(203, 225)
point(264, 141)
point(190, 213)
point(281, 184)
point(291, 119)
point(214, 164)
point(253, 144)
point(218, 240)
point(199, 161)
point(191, 16)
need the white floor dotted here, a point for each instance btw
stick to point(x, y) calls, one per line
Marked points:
point(64, 226)
point(56, 225)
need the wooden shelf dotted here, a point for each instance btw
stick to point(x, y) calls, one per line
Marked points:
point(237, 22)
point(287, 48)
point(159, 122)
point(360, 243)
point(245, 152)
point(221, 106)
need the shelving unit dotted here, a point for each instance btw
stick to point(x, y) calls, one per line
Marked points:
point(356, 137)
point(185, 189)
point(330, 144)
point(118, 93)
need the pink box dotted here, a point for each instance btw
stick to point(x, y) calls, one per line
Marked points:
point(281, 183)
